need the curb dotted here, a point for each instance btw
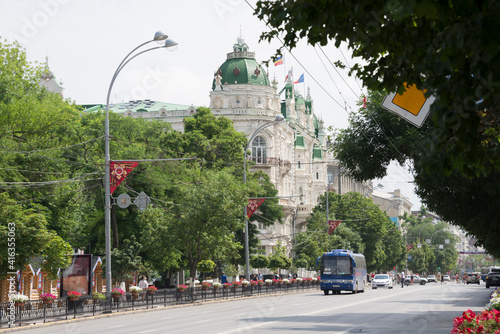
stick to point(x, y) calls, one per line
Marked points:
point(158, 308)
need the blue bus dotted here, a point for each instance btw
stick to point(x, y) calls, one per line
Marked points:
point(342, 270)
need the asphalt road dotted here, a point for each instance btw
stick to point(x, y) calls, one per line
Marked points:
point(415, 309)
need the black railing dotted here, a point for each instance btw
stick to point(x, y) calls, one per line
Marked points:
point(64, 309)
point(270, 161)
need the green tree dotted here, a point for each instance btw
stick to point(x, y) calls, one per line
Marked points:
point(421, 258)
point(126, 260)
point(259, 261)
point(206, 214)
point(206, 266)
point(278, 259)
point(442, 47)
point(470, 203)
point(24, 235)
point(364, 228)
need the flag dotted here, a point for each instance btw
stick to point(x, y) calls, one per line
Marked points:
point(301, 79)
point(278, 61)
point(332, 225)
point(118, 172)
point(364, 102)
point(253, 205)
point(289, 74)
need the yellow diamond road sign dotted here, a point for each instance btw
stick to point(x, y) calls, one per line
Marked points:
point(411, 105)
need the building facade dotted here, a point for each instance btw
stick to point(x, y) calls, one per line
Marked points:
point(293, 152)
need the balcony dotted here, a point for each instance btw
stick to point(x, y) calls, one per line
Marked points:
point(269, 162)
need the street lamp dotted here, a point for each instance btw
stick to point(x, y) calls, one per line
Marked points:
point(278, 119)
point(443, 230)
point(159, 37)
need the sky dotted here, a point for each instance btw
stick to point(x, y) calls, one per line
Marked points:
point(85, 41)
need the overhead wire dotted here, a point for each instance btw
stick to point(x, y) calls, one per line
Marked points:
point(53, 148)
point(321, 86)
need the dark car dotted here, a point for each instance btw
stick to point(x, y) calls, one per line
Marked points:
point(493, 279)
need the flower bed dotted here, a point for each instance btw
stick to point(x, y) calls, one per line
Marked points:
point(205, 285)
point(181, 287)
point(74, 295)
point(268, 281)
point(134, 289)
point(117, 293)
point(226, 285)
point(217, 285)
point(151, 289)
point(488, 321)
point(236, 284)
point(47, 297)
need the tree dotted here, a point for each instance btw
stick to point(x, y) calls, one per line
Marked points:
point(364, 229)
point(259, 261)
point(278, 259)
point(126, 260)
point(206, 266)
point(444, 48)
point(470, 203)
point(206, 214)
point(24, 235)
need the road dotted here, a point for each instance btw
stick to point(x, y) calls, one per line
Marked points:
point(415, 309)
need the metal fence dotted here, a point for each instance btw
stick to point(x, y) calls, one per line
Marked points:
point(85, 306)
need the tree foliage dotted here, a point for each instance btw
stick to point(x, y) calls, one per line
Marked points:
point(364, 228)
point(51, 177)
point(470, 203)
point(444, 48)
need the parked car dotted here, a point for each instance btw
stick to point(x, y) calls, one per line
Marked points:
point(492, 279)
point(446, 278)
point(382, 281)
point(474, 278)
point(431, 278)
point(416, 279)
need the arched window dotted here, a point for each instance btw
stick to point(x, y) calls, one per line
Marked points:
point(259, 150)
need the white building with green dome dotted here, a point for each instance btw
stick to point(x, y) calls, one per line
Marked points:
point(293, 153)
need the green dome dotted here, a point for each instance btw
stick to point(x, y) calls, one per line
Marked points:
point(241, 68)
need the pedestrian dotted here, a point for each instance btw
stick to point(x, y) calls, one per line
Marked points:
point(442, 279)
point(223, 278)
point(402, 279)
point(260, 276)
point(143, 283)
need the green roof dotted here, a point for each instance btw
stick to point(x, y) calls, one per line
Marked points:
point(317, 153)
point(316, 125)
point(299, 141)
point(242, 71)
point(137, 106)
point(283, 109)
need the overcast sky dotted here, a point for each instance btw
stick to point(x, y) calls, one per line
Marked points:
point(85, 41)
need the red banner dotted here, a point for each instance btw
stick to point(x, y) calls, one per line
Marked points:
point(332, 225)
point(253, 205)
point(119, 170)
point(408, 247)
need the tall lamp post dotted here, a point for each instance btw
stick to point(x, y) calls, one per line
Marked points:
point(278, 119)
point(159, 37)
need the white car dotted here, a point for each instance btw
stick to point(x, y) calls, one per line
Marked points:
point(382, 281)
